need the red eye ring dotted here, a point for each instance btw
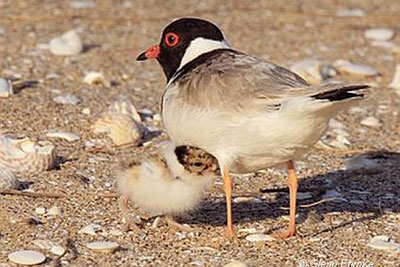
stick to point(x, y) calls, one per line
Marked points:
point(171, 39)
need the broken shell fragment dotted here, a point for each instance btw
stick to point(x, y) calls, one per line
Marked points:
point(103, 246)
point(24, 155)
point(355, 69)
point(27, 257)
point(121, 122)
point(94, 77)
point(7, 179)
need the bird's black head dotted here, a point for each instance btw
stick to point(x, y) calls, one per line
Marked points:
point(182, 41)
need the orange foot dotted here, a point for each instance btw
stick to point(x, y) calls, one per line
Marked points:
point(285, 234)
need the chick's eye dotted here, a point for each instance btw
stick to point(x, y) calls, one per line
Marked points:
point(171, 39)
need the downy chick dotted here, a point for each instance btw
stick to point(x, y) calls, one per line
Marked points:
point(169, 184)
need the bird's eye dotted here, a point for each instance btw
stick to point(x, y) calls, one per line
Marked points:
point(171, 39)
point(198, 164)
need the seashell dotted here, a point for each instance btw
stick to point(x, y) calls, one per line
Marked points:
point(90, 229)
point(43, 244)
point(248, 200)
point(350, 13)
point(121, 129)
point(103, 246)
point(309, 69)
point(6, 88)
point(236, 264)
point(82, 4)
point(371, 122)
point(24, 155)
point(384, 243)
point(94, 77)
point(395, 84)
point(40, 210)
point(379, 34)
point(123, 106)
point(27, 257)
point(121, 122)
point(68, 44)
point(7, 179)
point(67, 99)
point(71, 137)
point(58, 250)
point(357, 69)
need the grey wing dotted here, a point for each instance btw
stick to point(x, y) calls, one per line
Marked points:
point(234, 80)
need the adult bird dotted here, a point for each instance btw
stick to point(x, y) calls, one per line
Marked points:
point(249, 113)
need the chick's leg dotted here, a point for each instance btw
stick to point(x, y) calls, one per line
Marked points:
point(292, 184)
point(230, 232)
point(174, 224)
point(129, 223)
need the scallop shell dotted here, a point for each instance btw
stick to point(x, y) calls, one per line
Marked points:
point(121, 129)
point(121, 122)
point(7, 179)
point(24, 155)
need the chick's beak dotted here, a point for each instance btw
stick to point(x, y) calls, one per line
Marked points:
point(152, 52)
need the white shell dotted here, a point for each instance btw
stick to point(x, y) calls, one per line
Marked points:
point(58, 250)
point(90, 229)
point(379, 34)
point(27, 257)
point(67, 99)
point(68, 44)
point(384, 243)
point(24, 155)
point(71, 137)
point(356, 69)
point(43, 244)
point(7, 179)
point(371, 122)
point(395, 84)
point(103, 246)
point(259, 237)
point(6, 88)
point(82, 4)
point(249, 200)
point(121, 122)
point(94, 77)
point(350, 13)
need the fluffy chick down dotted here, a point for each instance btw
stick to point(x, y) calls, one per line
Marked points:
point(171, 183)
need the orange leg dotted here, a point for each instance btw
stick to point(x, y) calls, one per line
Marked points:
point(293, 184)
point(230, 232)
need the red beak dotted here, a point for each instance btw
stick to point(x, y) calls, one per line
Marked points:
point(152, 52)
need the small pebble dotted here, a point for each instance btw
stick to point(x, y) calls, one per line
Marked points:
point(67, 99)
point(103, 246)
point(236, 264)
point(71, 137)
point(86, 111)
point(54, 211)
point(356, 69)
point(27, 257)
point(94, 77)
point(6, 88)
point(251, 200)
point(58, 250)
point(40, 210)
point(371, 122)
point(384, 243)
point(259, 237)
point(68, 44)
point(379, 34)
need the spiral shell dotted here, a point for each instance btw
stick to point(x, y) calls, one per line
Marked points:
point(121, 122)
point(24, 155)
point(7, 179)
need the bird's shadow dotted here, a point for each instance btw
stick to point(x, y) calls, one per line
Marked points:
point(369, 191)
